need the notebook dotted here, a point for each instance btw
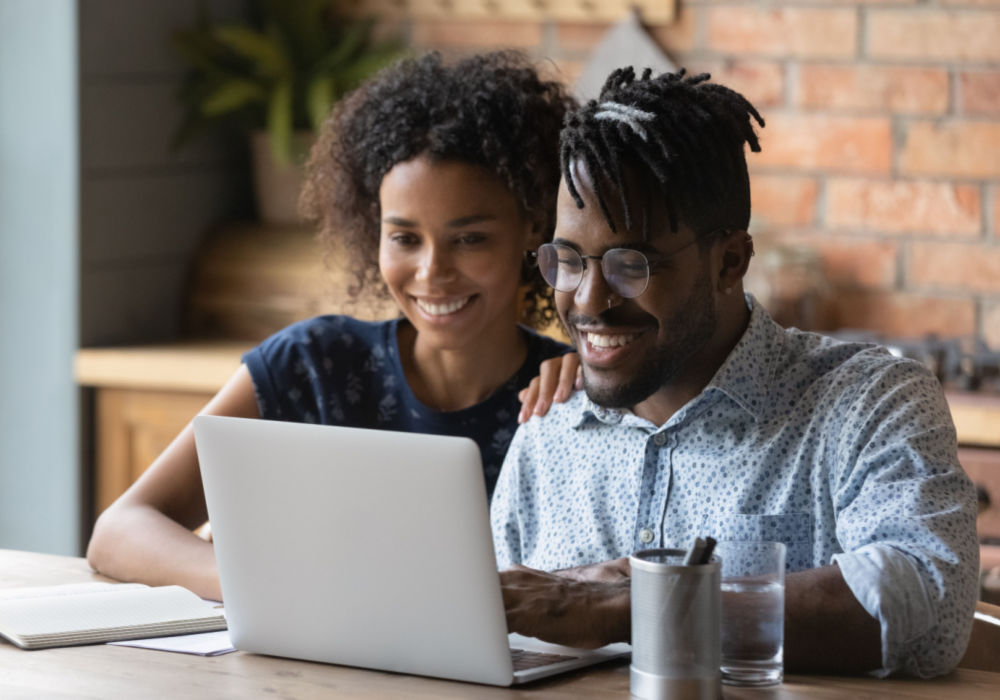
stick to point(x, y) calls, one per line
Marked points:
point(93, 613)
point(363, 548)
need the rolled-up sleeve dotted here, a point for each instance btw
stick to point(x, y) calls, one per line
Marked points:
point(906, 521)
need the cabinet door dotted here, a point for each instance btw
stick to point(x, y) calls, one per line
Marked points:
point(133, 427)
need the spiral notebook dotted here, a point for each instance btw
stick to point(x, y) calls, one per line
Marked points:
point(93, 613)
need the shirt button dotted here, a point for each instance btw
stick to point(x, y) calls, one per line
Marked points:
point(659, 439)
point(645, 535)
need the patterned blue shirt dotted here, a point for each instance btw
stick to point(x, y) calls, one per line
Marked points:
point(841, 451)
point(337, 370)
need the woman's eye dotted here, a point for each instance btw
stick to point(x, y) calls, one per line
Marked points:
point(403, 239)
point(471, 239)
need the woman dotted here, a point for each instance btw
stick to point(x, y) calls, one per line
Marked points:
point(438, 180)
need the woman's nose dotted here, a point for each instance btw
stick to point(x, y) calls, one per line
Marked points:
point(434, 264)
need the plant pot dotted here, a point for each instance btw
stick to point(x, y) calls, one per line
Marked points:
point(277, 185)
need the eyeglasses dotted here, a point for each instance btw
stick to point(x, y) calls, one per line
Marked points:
point(625, 270)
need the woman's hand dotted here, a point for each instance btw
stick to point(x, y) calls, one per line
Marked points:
point(557, 378)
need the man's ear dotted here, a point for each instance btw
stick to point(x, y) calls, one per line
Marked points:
point(737, 249)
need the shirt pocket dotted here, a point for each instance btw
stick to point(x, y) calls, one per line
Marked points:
point(794, 529)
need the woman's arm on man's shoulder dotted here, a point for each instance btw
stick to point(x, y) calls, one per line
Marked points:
point(558, 377)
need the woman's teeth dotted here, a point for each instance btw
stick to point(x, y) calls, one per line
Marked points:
point(610, 341)
point(442, 309)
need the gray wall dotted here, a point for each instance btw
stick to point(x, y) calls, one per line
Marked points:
point(144, 209)
point(99, 223)
point(39, 473)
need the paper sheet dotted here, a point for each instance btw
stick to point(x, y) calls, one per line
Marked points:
point(204, 644)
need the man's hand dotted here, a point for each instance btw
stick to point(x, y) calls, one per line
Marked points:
point(614, 571)
point(563, 610)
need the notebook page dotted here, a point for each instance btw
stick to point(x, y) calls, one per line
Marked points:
point(64, 589)
point(101, 609)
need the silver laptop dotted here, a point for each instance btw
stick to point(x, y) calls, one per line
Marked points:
point(365, 548)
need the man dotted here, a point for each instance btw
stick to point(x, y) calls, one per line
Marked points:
point(702, 416)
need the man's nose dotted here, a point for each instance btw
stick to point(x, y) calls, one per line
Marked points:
point(591, 296)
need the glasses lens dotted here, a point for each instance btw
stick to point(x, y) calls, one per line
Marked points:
point(626, 271)
point(561, 267)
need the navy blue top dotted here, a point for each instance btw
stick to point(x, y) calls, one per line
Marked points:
point(337, 370)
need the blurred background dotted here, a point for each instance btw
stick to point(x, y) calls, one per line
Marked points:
point(141, 142)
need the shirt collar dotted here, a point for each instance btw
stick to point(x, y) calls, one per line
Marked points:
point(744, 376)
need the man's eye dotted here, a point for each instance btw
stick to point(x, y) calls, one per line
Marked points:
point(637, 270)
point(471, 239)
point(573, 263)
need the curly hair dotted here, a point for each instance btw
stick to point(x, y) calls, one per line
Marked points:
point(491, 110)
point(686, 132)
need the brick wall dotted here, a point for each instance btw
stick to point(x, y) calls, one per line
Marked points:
point(882, 146)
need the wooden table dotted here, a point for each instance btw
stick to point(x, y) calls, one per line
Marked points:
point(104, 671)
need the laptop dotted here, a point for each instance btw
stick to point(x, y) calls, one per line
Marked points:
point(364, 548)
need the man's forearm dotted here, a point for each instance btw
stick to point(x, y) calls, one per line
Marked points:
point(826, 629)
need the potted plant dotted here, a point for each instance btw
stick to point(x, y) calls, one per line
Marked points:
point(275, 76)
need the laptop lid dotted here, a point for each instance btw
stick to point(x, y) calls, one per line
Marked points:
point(358, 547)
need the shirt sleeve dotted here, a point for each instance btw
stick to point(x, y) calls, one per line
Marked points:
point(906, 521)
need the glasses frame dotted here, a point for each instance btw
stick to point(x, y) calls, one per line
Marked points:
point(651, 264)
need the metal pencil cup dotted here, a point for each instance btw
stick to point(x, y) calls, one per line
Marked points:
point(676, 648)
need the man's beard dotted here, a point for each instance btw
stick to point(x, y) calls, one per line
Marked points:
point(691, 327)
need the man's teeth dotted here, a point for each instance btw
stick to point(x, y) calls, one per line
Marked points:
point(610, 341)
point(442, 309)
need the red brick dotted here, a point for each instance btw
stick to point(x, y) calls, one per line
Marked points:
point(979, 92)
point(783, 32)
point(678, 36)
point(874, 88)
point(476, 34)
point(577, 36)
point(903, 206)
point(906, 315)
point(991, 324)
point(761, 82)
point(782, 200)
point(944, 35)
point(817, 142)
point(953, 148)
point(955, 266)
point(851, 262)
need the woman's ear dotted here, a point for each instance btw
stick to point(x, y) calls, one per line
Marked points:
point(737, 249)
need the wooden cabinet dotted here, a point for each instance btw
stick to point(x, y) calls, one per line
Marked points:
point(144, 396)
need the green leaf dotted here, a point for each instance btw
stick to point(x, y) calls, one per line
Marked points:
point(261, 50)
point(352, 41)
point(319, 100)
point(200, 51)
point(279, 122)
point(231, 96)
point(303, 24)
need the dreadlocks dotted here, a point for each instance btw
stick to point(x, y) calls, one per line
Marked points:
point(688, 132)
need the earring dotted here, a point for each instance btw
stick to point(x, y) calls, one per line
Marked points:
point(609, 302)
point(729, 290)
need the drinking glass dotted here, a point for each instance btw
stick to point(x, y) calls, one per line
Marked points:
point(753, 612)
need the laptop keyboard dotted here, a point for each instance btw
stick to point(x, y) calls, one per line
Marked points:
point(524, 659)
